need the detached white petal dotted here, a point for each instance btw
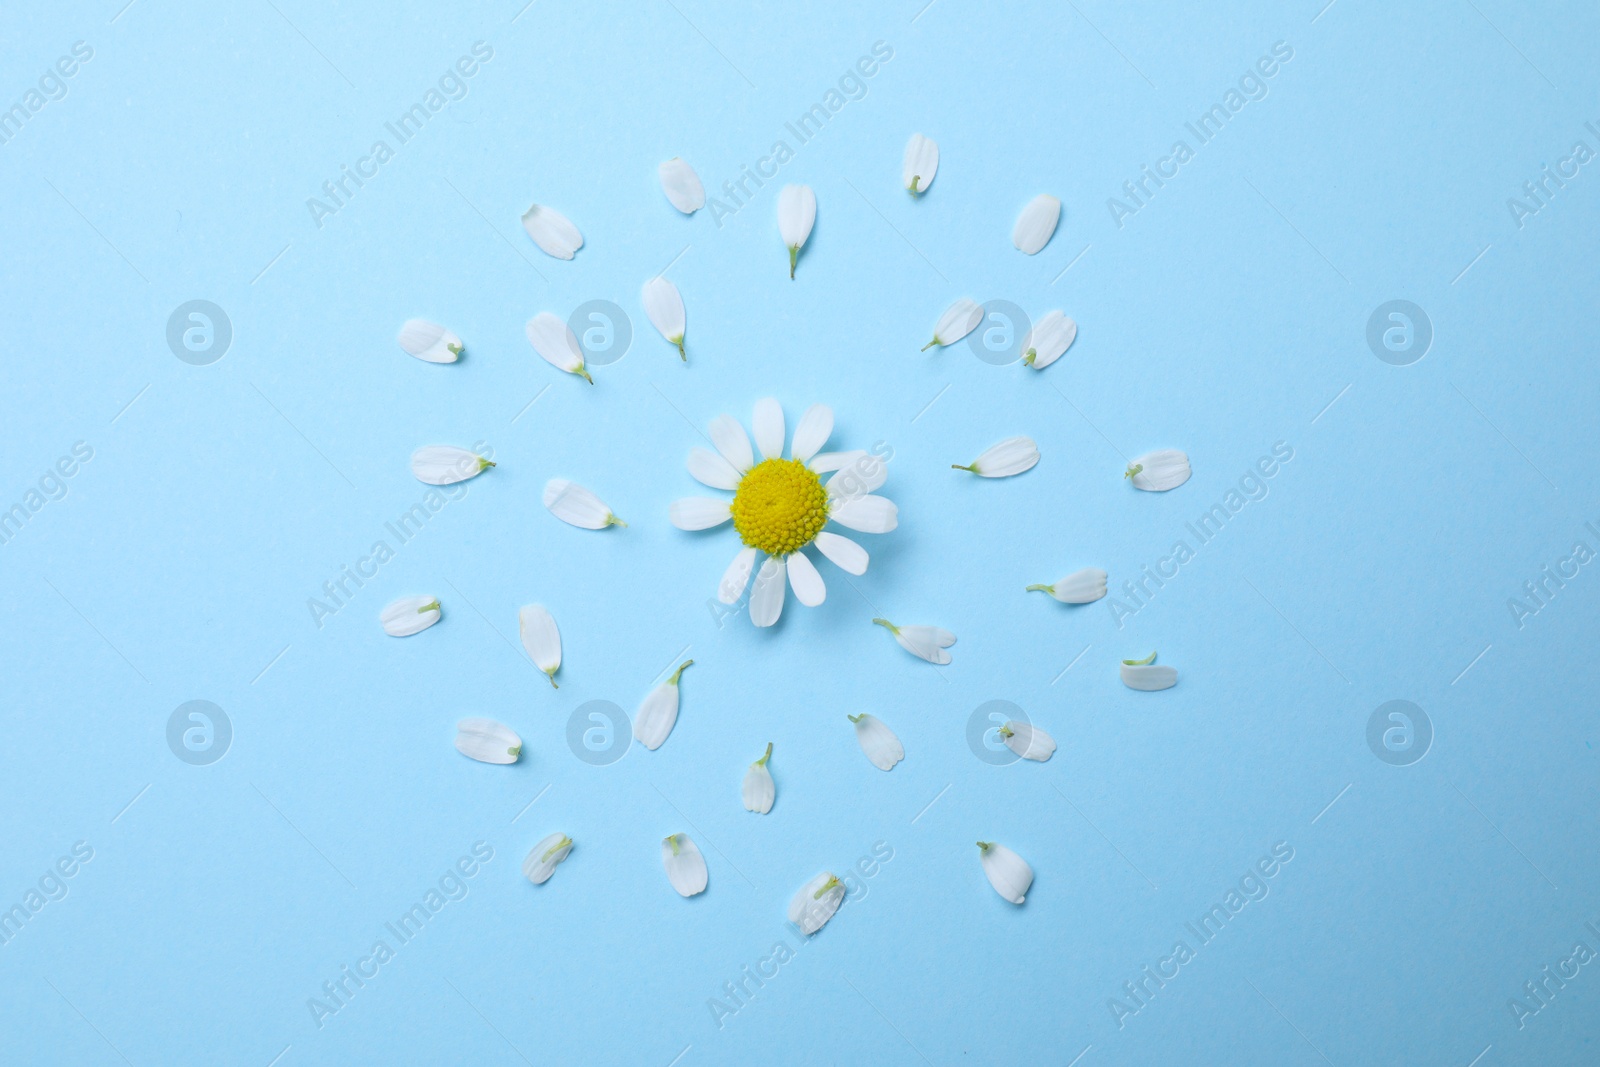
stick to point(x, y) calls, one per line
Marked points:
point(699, 512)
point(868, 514)
point(1143, 675)
point(541, 639)
point(958, 320)
point(659, 711)
point(766, 597)
point(429, 341)
point(880, 744)
point(1079, 587)
point(556, 344)
point(767, 422)
point(409, 615)
point(1011, 456)
point(446, 464)
point(921, 164)
point(686, 868)
point(552, 231)
point(1028, 741)
point(758, 788)
point(816, 426)
point(1036, 224)
point(808, 586)
point(545, 857)
point(737, 576)
point(730, 439)
point(845, 553)
point(572, 503)
point(664, 304)
point(1158, 471)
point(797, 213)
point(682, 185)
point(816, 902)
point(924, 642)
point(487, 741)
point(1049, 338)
point(1008, 872)
point(708, 468)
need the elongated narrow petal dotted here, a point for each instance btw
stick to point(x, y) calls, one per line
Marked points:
point(879, 742)
point(552, 231)
point(797, 213)
point(845, 553)
point(545, 857)
point(1008, 872)
point(1037, 223)
point(409, 615)
point(658, 713)
point(958, 320)
point(682, 185)
point(1028, 741)
point(572, 503)
point(664, 305)
point(766, 597)
point(767, 422)
point(737, 576)
point(429, 341)
point(1049, 338)
point(1011, 456)
point(816, 426)
point(699, 512)
point(556, 344)
point(686, 867)
point(924, 642)
point(816, 902)
point(868, 514)
point(541, 639)
point(921, 164)
point(758, 789)
point(446, 464)
point(808, 586)
point(1158, 471)
point(1079, 587)
point(730, 439)
point(487, 741)
point(1148, 678)
point(709, 468)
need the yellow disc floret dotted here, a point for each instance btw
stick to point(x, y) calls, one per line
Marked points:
point(780, 506)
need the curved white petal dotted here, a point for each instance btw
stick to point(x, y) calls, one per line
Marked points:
point(709, 468)
point(924, 642)
point(699, 512)
point(1036, 224)
point(1049, 338)
point(572, 503)
point(446, 464)
point(409, 615)
point(429, 341)
point(556, 344)
point(487, 741)
point(808, 586)
point(737, 576)
point(682, 185)
point(797, 213)
point(658, 712)
point(823, 462)
point(1008, 872)
point(1028, 741)
point(816, 902)
point(1148, 678)
point(1011, 456)
point(868, 514)
point(845, 553)
point(815, 427)
point(958, 320)
point(767, 422)
point(686, 867)
point(545, 857)
point(540, 638)
point(920, 165)
point(879, 742)
point(664, 305)
point(859, 473)
point(766, 596)
point(1079, 587)
point(758, 789)
point(1163, 469)
point(730, 439)
point(552, 231)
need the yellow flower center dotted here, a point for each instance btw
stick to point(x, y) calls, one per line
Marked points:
point(779, 507)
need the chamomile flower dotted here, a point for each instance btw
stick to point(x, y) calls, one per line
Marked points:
point(780, 506)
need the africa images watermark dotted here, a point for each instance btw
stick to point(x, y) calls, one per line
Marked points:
point(52, 85)
point(52, 485)
point(1539, 191)
point(1543, 987)
point(1539, 591)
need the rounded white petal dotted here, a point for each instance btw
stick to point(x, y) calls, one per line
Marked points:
point(879, 742)
point(767, 422)
point(446, 464)
point(487, 741)
point(868, 514)
point(1049, 338)
point(921, 164)
point(572, 503)
point(737, 576)
point(730, 439)
point(686, 867)
point(545, 857)
point(758, 790)
point(540, 638)
point(658, 712)
point(797, 213)
point(699, 512)
point(816, 426)
point(555, 342)
point(409, 615)
point(429, 341)
point(823, 462)
point(958, 320)
point(1079, 587)
point(1164, 469)
point(708, 468)
point(1148, 678)
point(1036, 224)
point(1028, 741)
point(682, 185)
point(1011, 456)
point(552, 231)
point(1008, 872)
point(859, 473)
point(766, 597)
point(816, 902)
point(925, 642)
point(845, 553)
point(664, 305)
point(809, 588)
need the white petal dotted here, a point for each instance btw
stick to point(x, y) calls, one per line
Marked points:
point(664, 304)
point(429, 341)
point(1148, 677)
point(816, 902)
point(699, 512)
point(880, 744)
point(686, 867)
point(409, 615)
point(1079, 587)
point(572, 503)
point(540, 638)
point(730, 439)
point(1028, 741)
point(868, 514)
point(708, 468)
point(823, 462)
point(860, 473)
point(658, 712)
point(736, 577)
point(758, 789)
point(556, 344)
point(921, 164)
point(1036, 224)
point(816, 426)
point(446, 464)
point(682, 185)
point(845, 553)
point(1164, 469)
point(767, 422)
point(552, 231)
point(1011, 456)
point(797, 213)
point(924, 642)
point(766, 597)
point(808, 585)
point(545, 857)
point(958, 320)
point(1008, 872)
point(1049, 338)
point(487, 741)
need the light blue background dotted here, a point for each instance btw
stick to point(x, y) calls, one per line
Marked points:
point(1222, 318)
